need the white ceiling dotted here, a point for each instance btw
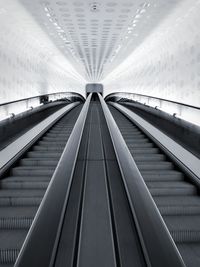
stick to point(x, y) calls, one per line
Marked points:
point(96, 36)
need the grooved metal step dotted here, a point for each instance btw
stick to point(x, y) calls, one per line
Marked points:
point(172, 191)
point(58, 135)
point(139, 140)
point(140, 145)
point(179, 210)
point(24, 179)
point(169, 175)
point(161, 165)
point(149, 158)
point(38, 162)
point(54, 139)
point(15, 223)
point(144, 150)
point(20, 201)
point(22, 171)
point(24, 185)
point(51, 147)
point(52, 144)
point(44, 154)
point(8, 256)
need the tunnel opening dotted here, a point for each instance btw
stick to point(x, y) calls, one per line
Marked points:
point(94, 88)
point(93, 94)
point(95, 97)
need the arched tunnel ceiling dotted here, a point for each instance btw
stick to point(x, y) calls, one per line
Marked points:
point(96, 36)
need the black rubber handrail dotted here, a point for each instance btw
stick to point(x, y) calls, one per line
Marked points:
point(28, 98)
point(162, 99)
point(158, 246)
point(41, 242)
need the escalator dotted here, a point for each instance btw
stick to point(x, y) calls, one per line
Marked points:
point(24, 185)
point(175, 195)
point(98, 227)
point(96, 211)
point(100, 224)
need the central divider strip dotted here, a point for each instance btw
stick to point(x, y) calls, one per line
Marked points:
point(158, 246)
point(96, 245)
point(87, 233)
point(41, 242)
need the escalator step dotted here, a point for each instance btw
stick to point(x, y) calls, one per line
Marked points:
point(61, 130)
point(52, 144)
point(54, 139)
point(177, 201)
point(186, 236)
point(24, 184)
point(25, 179)
point(6, 193)
point(169, 175)
point(160, 172)
point(183, 229)
point(60, 135)
point(44, 154)
point(169, 184)
point(35, 162)
point(144, 150)
point(54, 148)
point(20, 201)
point(172, 191)
point(10, 211)
point(149, 158)
point(22, 171)
point(179, 210)
point(159, 166)
point(8, 256)
point(171, 188)
point(140, 145)
point(15, 223)
point(16, 238)
point(139, 140)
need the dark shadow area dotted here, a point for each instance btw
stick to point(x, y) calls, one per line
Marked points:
point(13, 128)
point(184, 133)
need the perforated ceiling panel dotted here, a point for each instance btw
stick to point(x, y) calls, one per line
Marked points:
point(167, 63)
point(96, 36)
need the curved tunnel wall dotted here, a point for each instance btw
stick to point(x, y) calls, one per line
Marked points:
point(30, 64)
point(167, 63)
